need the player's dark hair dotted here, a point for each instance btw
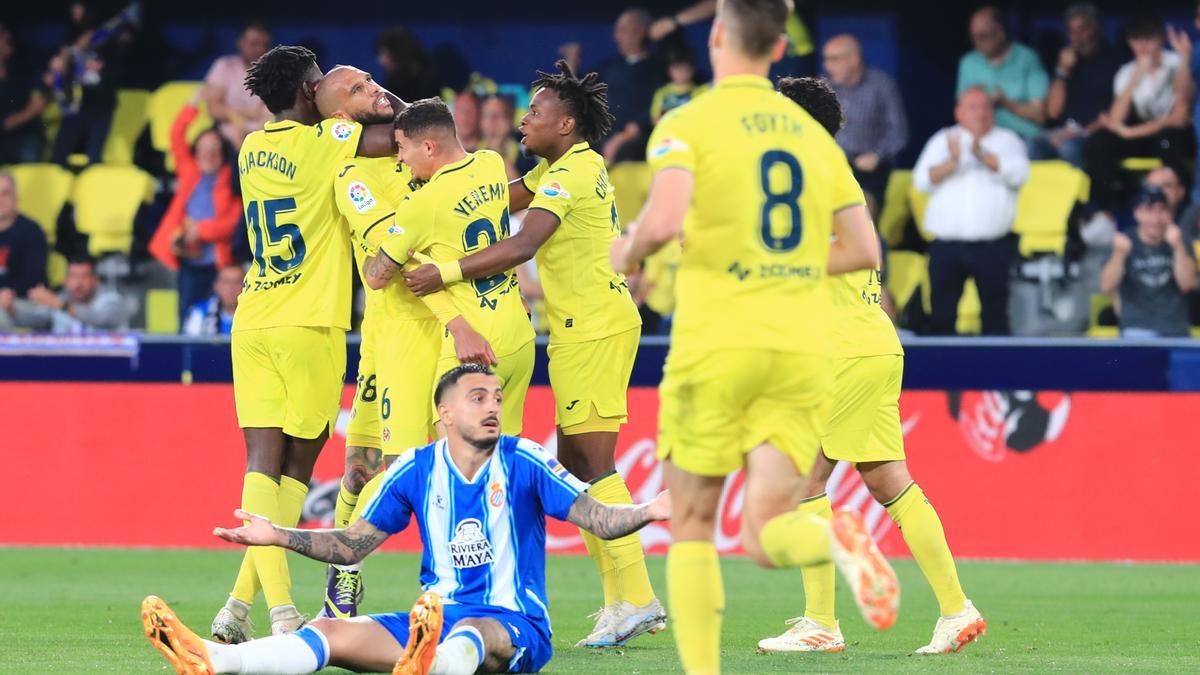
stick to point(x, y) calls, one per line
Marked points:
point(255, 25)
point(755, 25)
point(424, 115)
point(586, 99)
point(278, 74)
point(1143, 26)
point(451, 378)
point(817, 98)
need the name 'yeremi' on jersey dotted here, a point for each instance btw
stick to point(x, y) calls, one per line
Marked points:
point(480, 196)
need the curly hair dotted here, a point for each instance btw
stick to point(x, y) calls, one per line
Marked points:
point(586, 99)
point(278, 74)
point(817, 98)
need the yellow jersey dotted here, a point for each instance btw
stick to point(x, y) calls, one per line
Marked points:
point(768, 179)
point(585, 299)
point(860, 327)
point(463, 208)
point(301, 270)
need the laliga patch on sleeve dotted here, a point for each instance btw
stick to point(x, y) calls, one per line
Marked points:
point(342, 130)
point(555, 190)
point(668, 145)
point(360, 196)
point(395, 229)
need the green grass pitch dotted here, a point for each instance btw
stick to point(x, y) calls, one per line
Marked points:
point(76, 610)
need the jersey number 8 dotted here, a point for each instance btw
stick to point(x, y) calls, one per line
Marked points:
point(789, 198)
point(268, 232)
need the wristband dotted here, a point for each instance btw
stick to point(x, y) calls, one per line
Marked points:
point(451, 271)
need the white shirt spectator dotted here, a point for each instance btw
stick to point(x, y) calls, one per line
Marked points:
point(1154, 95)
point(973, 203)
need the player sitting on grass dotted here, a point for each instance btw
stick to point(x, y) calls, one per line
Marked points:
point(864, 428)
point(480, 501)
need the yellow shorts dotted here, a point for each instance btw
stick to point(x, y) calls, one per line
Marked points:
point(406, 358)
point(364, 430)
point(514, 372)
point(289, 377)
point(864, 418)
point(716, 407)
point(590, 380)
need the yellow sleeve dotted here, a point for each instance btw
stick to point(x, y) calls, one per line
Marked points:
point(531, 179)
point(331, 143)
point(670, 145)
point(559, 190)
point(846, 190)
point(413, 219)
point(360, 199)
point(439, 303)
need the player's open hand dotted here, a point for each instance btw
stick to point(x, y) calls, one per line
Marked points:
point(257, 531)
point(659, 508)
point(424, 280)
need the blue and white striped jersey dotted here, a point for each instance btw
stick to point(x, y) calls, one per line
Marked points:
point(484, 539)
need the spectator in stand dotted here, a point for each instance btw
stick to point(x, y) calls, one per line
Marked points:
point(23, 251)
point(466, 119)
point(195, 237)
point(214, 315)
point(21, 103)
point(409, 70)
point(1009, 71)
point(237, 111)
point(681, 67)
point(876, 129)
point(84, 76)
point(83, 306)
point(1169, 181)
point(498, 132)
point(1151, 272)
point(972, 172)
point(1081, 89)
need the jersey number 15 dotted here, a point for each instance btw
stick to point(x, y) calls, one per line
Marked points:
point(262, 218)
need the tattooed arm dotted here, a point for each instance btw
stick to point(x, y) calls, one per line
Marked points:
point(612, 521)
point(378, 270)
point(340, 547)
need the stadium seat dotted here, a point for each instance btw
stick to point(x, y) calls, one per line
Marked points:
point(917, 201)
point(56, 269)
point(1141, 163)
point(896, 209)
point(631, 186)
point(106, 200)
point(129, 119)
point(164, 106)
point(1044, 206)
point(968, 321)
point(907, 274)
point(1099, 303)
point(42, 189)
point(162, 311)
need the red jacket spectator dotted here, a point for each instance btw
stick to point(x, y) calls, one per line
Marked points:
point(227, 206)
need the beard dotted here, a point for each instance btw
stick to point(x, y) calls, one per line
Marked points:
point(481, 443)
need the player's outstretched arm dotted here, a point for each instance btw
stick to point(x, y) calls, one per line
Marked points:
point(613, 521)
point(340, 547)
point(519, 195)
point(661, 220)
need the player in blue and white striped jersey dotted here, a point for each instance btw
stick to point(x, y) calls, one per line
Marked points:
point(480, 501)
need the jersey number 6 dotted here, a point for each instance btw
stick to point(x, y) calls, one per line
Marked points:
point(789, 198)
point(268, 232)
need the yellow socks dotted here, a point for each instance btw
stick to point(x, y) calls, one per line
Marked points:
point(922, 530)
point(271, 561)
point(819, 580)
point(342, 512)
point(364, 497)
point(260, 496)
point(697, 602)
point(626, 559)
point(604, 565)
point(796, 539)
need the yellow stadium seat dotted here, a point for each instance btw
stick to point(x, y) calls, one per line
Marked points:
point(1098, 303)
point(162, 311)
point(42, 189)
point(659, 272)
point(106, 200)
point(1044, 206)
point(56, 269)
point(917, 202)
point(969, 310)
point(896, 208)
point(631, 186)
point(1141, 163)
point(129, 119)
point(164, 106)
point(907, 274)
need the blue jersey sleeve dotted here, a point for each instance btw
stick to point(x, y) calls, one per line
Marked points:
point(392, 506)
point(556, 488)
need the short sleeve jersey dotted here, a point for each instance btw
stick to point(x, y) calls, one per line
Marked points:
point(860, 326)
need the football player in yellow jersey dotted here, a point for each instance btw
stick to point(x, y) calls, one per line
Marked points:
point(864, 428)
point(288, 343)
point(594, 323)
point(753, 184)
point(400, 338)
point(461, 208)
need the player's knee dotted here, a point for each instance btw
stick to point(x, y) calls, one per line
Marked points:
point(331, 628)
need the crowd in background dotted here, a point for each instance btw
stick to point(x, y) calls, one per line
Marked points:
point(1097, 105)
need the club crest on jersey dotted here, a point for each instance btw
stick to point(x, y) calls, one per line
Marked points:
point(555, 190)
point(360, 195)
point(342, 130)
point(496, 495)
point(668, 145)
point(469, 547)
